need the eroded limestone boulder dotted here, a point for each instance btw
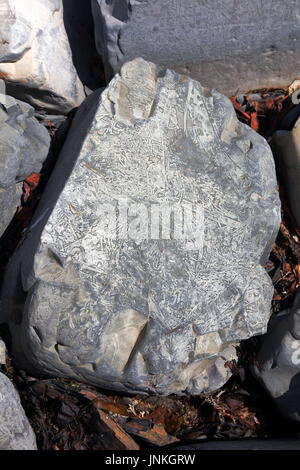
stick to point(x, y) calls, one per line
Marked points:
point(231, 46)
point(15, 430)
point(143, 265)
point(24, 145)
point(35, 55)
point(277, 364)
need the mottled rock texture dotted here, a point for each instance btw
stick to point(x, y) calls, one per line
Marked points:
point(229, 45)
point(35, 55)
point(278, 360)
point(24, 145)
point(144, 312)
point(286, 148)
point(15, 430)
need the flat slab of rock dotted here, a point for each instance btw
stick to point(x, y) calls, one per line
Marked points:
point(15, 430)
point(24, 146)
point(278, 360)
point(231, 46)
point(142, 267)
point(35, 55)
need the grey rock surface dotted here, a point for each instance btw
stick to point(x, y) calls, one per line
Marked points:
point(134, 309)
point(24, 145)
point(231, 45)
point(15, 430)
point(286, 148)
point(278, 360)
point(35, 55)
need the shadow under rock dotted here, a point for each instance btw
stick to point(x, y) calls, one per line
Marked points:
point(79, 24)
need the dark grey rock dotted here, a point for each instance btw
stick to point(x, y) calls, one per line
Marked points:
point(278, 360)
point(286, 149)
point(231, 46)
point(24, 145)
point(134, 309)
point(290, 119)
point(15, 430)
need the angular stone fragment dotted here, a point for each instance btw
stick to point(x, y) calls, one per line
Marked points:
point(24, 145)
point(35, 55)
point(286, 147)
point(233, 46)
point(142, 267)
point(277, 364)
point(15, 430)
